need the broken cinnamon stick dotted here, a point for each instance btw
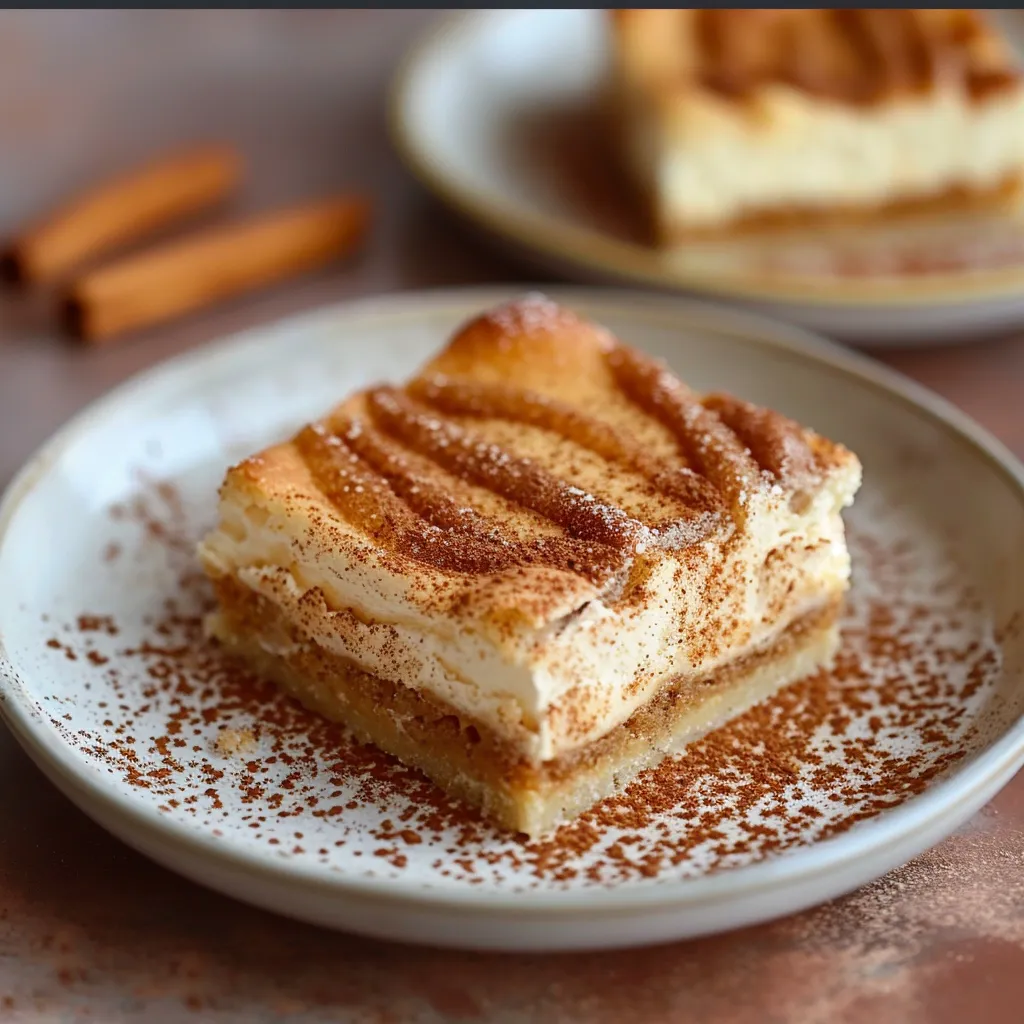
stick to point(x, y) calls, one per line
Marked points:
point(183, 276)
point(125, 208)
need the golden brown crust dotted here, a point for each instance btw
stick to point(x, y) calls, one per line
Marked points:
point(535, 440)
point(849, 55)
point(957, 199)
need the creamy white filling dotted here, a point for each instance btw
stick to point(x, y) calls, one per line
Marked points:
point(551, 690)
point(708, 162)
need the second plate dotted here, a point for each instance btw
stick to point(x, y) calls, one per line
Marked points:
point(494, 111)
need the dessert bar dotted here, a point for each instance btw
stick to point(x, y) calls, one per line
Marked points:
point(728, 119)
point(538, 567)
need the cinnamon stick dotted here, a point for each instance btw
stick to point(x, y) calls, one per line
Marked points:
point(186, 275)
point(123, 209)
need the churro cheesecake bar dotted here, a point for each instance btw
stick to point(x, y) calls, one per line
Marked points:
point(729, 118)
point(537, 568)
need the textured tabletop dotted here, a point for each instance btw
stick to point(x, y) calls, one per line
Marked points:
point(90, 930)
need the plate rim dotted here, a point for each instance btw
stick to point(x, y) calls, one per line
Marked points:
point(58, 759)
point(600, 253)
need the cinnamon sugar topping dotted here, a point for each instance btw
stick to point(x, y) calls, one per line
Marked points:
point(487, 469)
point(853, 55)
point(501, 401)
point(710, 446)
point(371, 483)
point(519, 479)
point(776, 443)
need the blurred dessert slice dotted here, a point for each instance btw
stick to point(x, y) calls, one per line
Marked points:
point(732, 118)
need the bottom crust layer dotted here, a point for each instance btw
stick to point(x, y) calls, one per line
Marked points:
point(471, 762)
point(952, 200)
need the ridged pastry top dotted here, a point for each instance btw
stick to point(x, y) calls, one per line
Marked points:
point(536, 440)
point(855, 55)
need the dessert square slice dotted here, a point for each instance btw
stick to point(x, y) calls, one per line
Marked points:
point(733, 118)
point(539, 567)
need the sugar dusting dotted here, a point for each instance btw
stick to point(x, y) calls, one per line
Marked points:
point(914, 677)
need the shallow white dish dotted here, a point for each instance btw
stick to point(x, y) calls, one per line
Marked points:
point(493, 112)
point(101, 521)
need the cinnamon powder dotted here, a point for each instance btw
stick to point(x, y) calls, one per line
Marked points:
point(918, 661)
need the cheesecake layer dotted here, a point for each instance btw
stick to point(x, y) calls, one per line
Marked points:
point(477, 764)
point(704, 164)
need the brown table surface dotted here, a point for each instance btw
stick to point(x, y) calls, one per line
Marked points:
point(89, 929)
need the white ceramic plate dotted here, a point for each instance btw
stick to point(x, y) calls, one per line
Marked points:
point(494, 113)
point(96, 535)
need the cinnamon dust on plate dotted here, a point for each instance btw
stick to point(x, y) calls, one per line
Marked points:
point(206, 742)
